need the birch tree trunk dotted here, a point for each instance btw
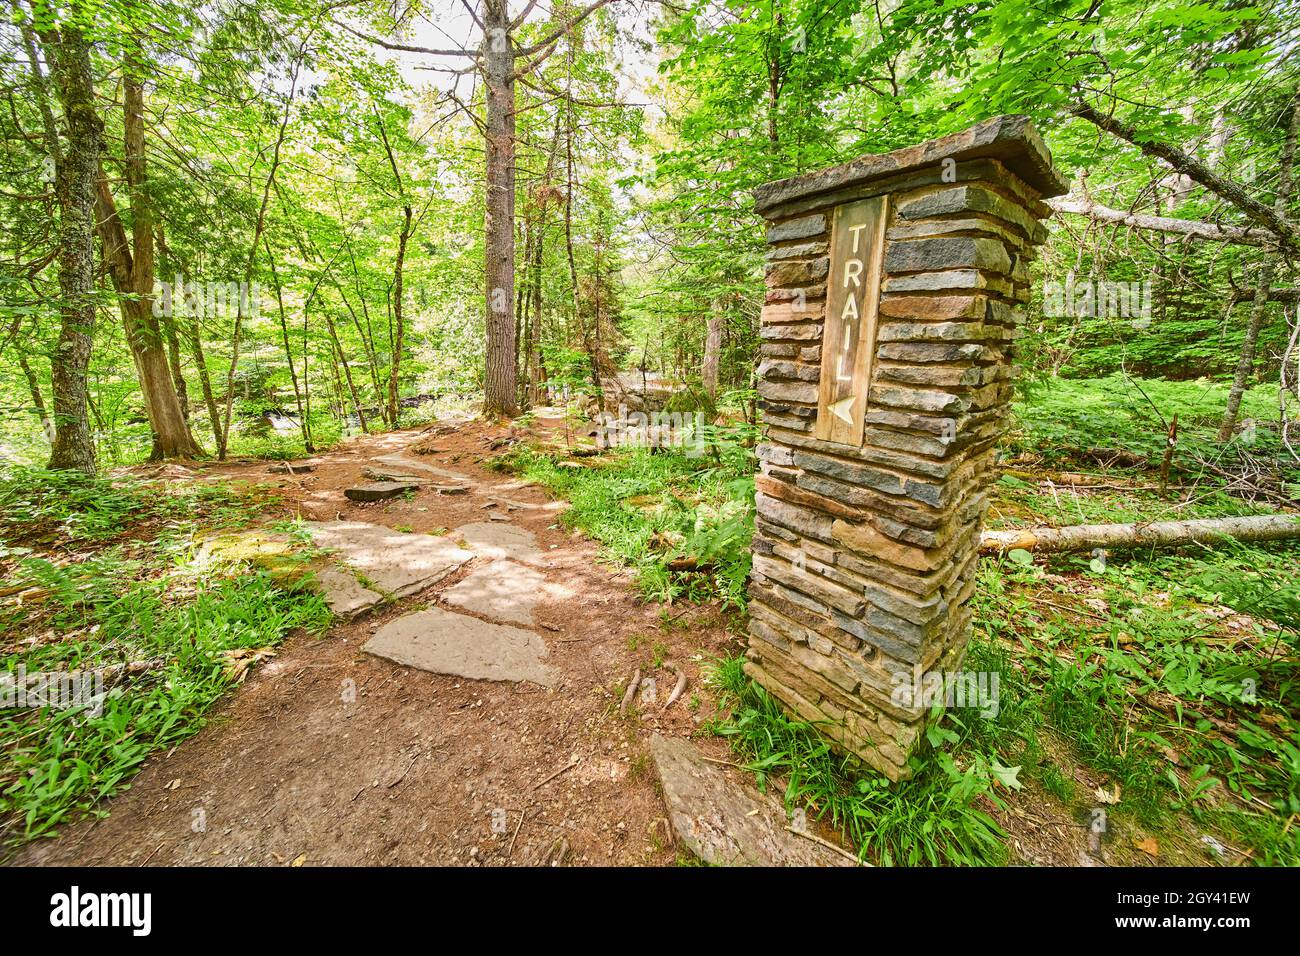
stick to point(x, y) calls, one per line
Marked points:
point(1158, 534)
point(712, 351)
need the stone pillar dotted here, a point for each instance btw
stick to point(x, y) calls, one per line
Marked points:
point(895, 284)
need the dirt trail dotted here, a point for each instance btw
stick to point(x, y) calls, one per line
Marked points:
point(416, 767)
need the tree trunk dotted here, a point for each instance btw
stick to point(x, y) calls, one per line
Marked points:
point(712, 352)
point(536, 363)
point(1209, 231)
point(1258, 312)
point(38, 400)
point(75, 171)
point(288, 352)
point(347, 370)
point(498, 73)
point(236, 334)
point(399, 339)
point(195, 339)
point(131, 267)
point(1159, 534)
point(171, 432)
point(168, 326)
point(1259, 305)
point(1271, 219)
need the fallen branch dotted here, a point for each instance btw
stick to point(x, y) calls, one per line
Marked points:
point(632, 686)
point(549, 777)
point(677, 690)
point(828, 845)
point(1157, 534)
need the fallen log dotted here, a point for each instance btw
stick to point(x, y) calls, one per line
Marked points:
point(1157, 534)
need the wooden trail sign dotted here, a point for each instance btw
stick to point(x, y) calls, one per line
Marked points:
point(852, 306)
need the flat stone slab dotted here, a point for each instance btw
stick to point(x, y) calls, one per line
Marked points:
point(724, 823)
point(276, 554)
point(390, 474)
point(380, 490)
point(410, 466)
point(346, 596)
point(449, 643)
point(393, 563)
point(504, 591)
point(498, 539)
point(291, 468)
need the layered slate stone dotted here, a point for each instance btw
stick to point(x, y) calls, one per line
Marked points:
point(727, 824)
point(445, 642)
point(380, 490)
point(504, 591)
point(869, 510)
point(402, 465)
point(504, 540)
point(392, 563)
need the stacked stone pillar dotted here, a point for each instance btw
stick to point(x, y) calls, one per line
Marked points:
point(882, 420)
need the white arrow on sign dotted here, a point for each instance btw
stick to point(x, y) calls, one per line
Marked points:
point(843, 409)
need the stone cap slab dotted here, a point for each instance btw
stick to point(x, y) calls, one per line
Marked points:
point(1011, 140)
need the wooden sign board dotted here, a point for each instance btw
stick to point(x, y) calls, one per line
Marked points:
point(852, 308)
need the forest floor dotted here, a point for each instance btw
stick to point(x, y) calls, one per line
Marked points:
point(422, 768)
point(327, 754)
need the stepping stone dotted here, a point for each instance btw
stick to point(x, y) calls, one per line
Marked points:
point(291, 468)
point(503, 590)
point(494, 539)
point(724, 823)
point(276, 554)
point(393, 563)
point(449, 643)
point(380, 490)
point(409, 466)
point(346, 596)
point(376, 474)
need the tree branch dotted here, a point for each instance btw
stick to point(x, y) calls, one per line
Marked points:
point(1210, 231)
point(1256, 211)
point(560, 31)
point(404, 48)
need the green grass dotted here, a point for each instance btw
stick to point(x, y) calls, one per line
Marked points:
point(940, 816)
point(648, 509)
point(1170, 675)
point(100, 602)
point(1121, 411)
point(1134, 669)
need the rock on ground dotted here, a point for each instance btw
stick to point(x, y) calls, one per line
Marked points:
point(394, 563)
point(345, 595)
point(724, 823)
point(501, 540)
point(410, 466)
point(379, 490)
point(449, 643)
point(503, 591)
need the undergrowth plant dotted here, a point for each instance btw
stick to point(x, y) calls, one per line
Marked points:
point(164, 633)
